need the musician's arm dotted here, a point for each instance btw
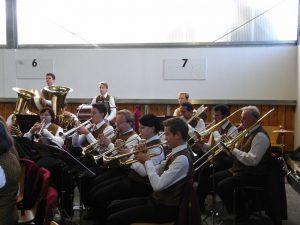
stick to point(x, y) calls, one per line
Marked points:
point(113, 110)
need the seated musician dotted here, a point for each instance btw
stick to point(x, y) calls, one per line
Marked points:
point(122, 142)
point(107, 99)
point(167, 180)
point(220, 162)
point(136, 184)
point(66, 119)
point(87, 135)
point(194, 124)
point(251, 156)
point(46, 128)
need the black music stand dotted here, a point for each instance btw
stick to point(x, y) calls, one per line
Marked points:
point(48, 147)
point(25, 122)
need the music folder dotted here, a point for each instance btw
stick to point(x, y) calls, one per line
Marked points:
point(49, 148)
point(25, 121)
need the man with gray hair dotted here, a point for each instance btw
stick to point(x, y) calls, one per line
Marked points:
point(251, 155)
point(107, 100)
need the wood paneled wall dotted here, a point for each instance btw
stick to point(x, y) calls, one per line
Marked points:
point(283, 115)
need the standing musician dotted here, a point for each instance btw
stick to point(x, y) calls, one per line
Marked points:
point(167, 180)
point(136, 184)
point(85, 135)
point(44, 99)
point(46, 128)
point(251, 157)
point(107, 99)
point(182, 98)
point(220, 162)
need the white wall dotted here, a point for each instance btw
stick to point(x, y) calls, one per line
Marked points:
point(233, 73)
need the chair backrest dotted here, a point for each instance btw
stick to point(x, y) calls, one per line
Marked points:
point(189, 211)
point(30, 170)
point(275, 192)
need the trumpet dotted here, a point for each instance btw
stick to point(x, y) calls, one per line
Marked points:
point(72, 132)
point(94, 145)
point(37, 135)
point(131, 161)
point(228, 144)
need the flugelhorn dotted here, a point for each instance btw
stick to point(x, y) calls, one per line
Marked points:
point(228, 145)
point(130, 161)
point(92, 146)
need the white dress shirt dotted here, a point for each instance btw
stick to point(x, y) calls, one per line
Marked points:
point(2, 177)
point(161, 179)
point(259, 146)
point(77, 139)
point(160, 156)
point(112, 105)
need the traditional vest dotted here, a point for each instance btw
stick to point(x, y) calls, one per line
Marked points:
point(53, 128)
point(221, 131)
point(105, 101)
point(96, 133)
point(245, 146)
point(122, 136)
point(133, 175)
point(194, 122)
point(12, 170)
point(173, 194)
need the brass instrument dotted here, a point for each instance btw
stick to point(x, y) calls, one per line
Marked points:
point(196, 114)
point(228, 144)
point(130, 161)
point(113, 151)
point(212, 128)
point(37, 135)
point(21, 105)
point(58, 96)
point(72, 132)
point(94, 145)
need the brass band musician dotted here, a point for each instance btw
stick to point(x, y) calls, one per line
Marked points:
point(136, 184)
point(46, 128)
point(107, 99)
point(220, 162)
point(87, 135)
point(187, 112)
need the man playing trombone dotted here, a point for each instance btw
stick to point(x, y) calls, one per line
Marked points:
point(251, 156)
point(220, 162)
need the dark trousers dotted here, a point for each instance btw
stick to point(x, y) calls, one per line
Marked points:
point(125, 212)
point(221, 163)
point(226, 183)
point(117, 188)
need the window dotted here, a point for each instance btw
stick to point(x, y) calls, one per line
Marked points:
point(2, 23)
point(93, 22)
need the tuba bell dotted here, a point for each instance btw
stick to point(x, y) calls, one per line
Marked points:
point(24, 96)
point(58, 96)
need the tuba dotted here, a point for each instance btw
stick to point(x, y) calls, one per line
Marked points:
point(58, 96)
point(24, 96)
